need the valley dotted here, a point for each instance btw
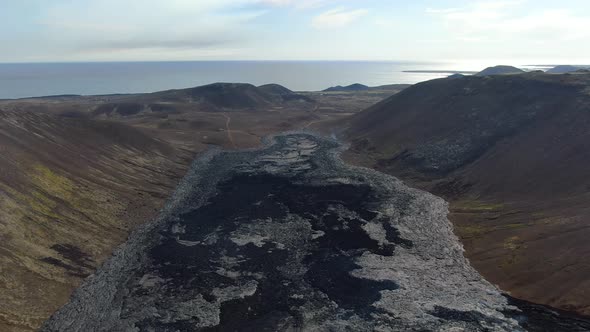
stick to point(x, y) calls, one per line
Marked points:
point(289, 237)
point(79, 173)
point(508, 152)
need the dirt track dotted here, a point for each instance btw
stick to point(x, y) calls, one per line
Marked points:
point(228, 130)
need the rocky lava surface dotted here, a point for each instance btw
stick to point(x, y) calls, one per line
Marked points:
point(289, 238)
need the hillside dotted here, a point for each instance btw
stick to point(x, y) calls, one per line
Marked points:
point(562, 69)
point(223, 95)
point(276, 89)
point(511, 154)
point(360, 87)
point(217, 97)
point(283, 93)
point(499, 70)
point(70, 190)
point(352, 87)
point(231, 96)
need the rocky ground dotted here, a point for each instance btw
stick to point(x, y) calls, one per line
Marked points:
point(289, 238)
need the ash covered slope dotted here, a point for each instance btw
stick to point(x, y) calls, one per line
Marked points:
point(511, 153)
point(289, 237)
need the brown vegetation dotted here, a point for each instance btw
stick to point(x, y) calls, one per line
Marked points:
point(70, 190)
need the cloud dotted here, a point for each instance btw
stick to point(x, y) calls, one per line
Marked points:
point(95, 29)
point(442, 11)
point(299, 4)
point(337, 18)
point(510, 20)
point(196, 42)
point(477, 12)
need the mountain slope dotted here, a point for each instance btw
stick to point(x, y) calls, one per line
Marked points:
point(352, 87)
point(283, 93)
point(223, 95)
point(237, 96)
point(275, 89)
point(70, 190)
point(213, 97)
point(511, 153)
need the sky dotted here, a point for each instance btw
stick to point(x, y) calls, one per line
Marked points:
point(536, 31)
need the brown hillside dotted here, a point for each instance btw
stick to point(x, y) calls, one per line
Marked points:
point(230, 96)
point(511, 153)
point(224, 95)
point(217, 97)
point(70, 190)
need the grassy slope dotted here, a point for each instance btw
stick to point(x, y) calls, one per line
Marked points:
point(70, 190)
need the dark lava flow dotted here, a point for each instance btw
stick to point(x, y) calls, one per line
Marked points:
point(288, 238)
point(247, 198)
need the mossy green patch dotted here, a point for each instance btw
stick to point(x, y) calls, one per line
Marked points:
point(47, 187)
point(45, 196)
point(512, 226)
point(477, 206)
point(52, 182)
point(42, 204)
point(471, 230)
point(513, 244)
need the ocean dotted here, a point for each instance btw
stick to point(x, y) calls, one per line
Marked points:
point(19, 80)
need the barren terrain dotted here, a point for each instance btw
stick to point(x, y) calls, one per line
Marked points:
point(510, 154)
point(78, 173)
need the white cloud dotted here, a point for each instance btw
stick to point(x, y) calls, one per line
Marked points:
point(477, 14)
point(558, 23)
point(442, 10)
point(146, 28)
point(385, 23)
point(510, 20)
point(337, 18)
point(299, 4)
